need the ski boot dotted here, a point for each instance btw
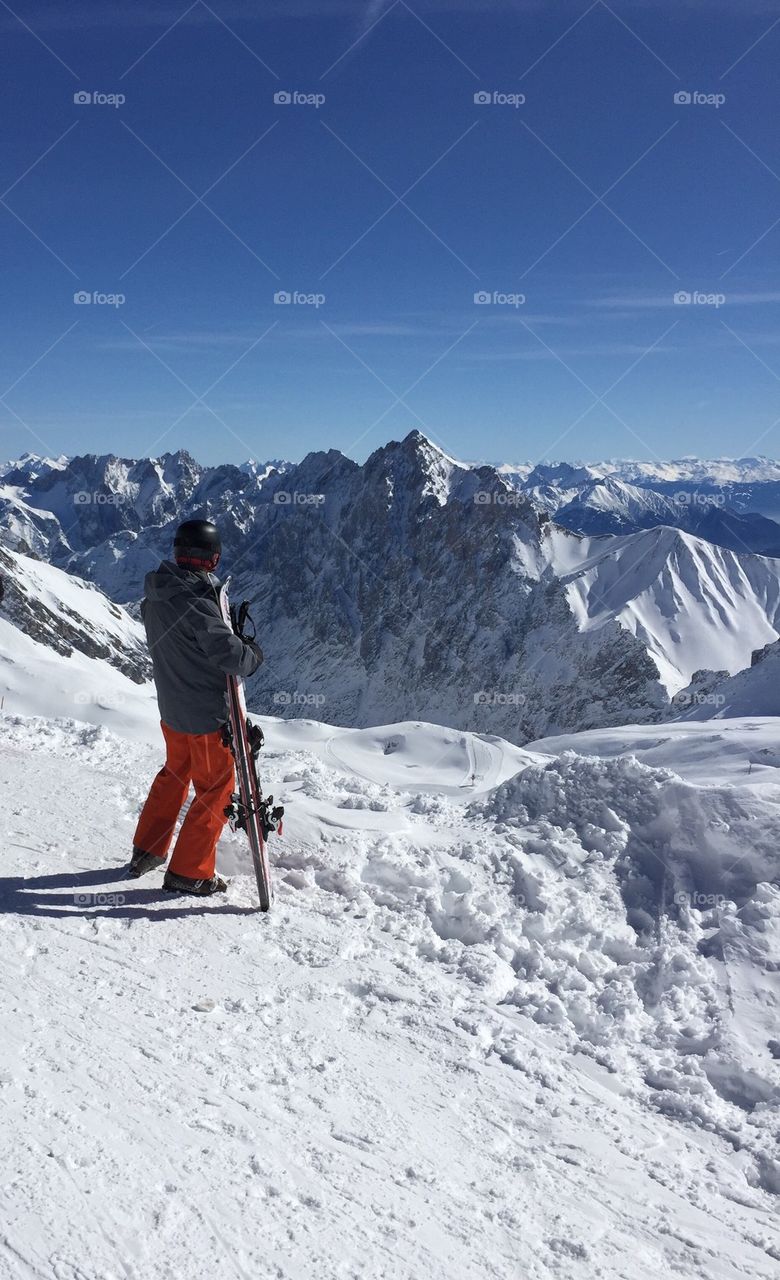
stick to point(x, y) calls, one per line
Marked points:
point(141, 862)
point(200, 888)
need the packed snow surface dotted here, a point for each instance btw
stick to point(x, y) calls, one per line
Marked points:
point(38, 681)
point(513, 1015)
point(740, 751)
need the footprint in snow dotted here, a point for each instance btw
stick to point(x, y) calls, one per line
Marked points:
point(352, 1139)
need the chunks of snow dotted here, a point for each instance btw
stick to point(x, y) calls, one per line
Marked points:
point(532, 1016)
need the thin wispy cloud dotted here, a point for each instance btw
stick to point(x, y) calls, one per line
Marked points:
point(539, 353)
point(203, 340)
point(628, 302)
point(389, 329)
point(182, 340)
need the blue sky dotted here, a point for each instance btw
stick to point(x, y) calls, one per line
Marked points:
point(386, 198)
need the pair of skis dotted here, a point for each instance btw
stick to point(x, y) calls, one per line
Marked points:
point(248, 810)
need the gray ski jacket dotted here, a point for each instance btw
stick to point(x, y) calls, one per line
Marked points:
point(192, 648)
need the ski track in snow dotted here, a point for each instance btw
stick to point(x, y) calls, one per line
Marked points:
point(444, 1053)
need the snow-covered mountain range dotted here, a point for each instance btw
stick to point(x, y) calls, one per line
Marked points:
point(714, 471)
point(612, 506)
point(625, 494)
point(500, 984)
point(416, 585)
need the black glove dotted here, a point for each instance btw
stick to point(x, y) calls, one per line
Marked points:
point(256, 650)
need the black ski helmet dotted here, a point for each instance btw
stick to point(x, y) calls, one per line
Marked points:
point(197, 545)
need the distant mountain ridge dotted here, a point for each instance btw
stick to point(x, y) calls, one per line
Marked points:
point(612, 506)
point(416, 586)
point(690, 470)
point(712, 471)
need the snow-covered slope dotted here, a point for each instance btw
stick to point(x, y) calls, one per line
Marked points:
point(517, 1024)
point(740, 752)
point(752, 692)
point(26, 528)
point(34, 681)
point(66, 649)
point(691, 604)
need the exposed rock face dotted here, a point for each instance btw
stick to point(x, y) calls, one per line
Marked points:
point(700, 692)
point(416, 588)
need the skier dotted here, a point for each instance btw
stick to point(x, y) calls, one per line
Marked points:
point(192, 649)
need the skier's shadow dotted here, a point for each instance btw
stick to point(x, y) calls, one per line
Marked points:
point(85, 899)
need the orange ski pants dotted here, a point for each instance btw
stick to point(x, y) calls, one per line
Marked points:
point(204, 760)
